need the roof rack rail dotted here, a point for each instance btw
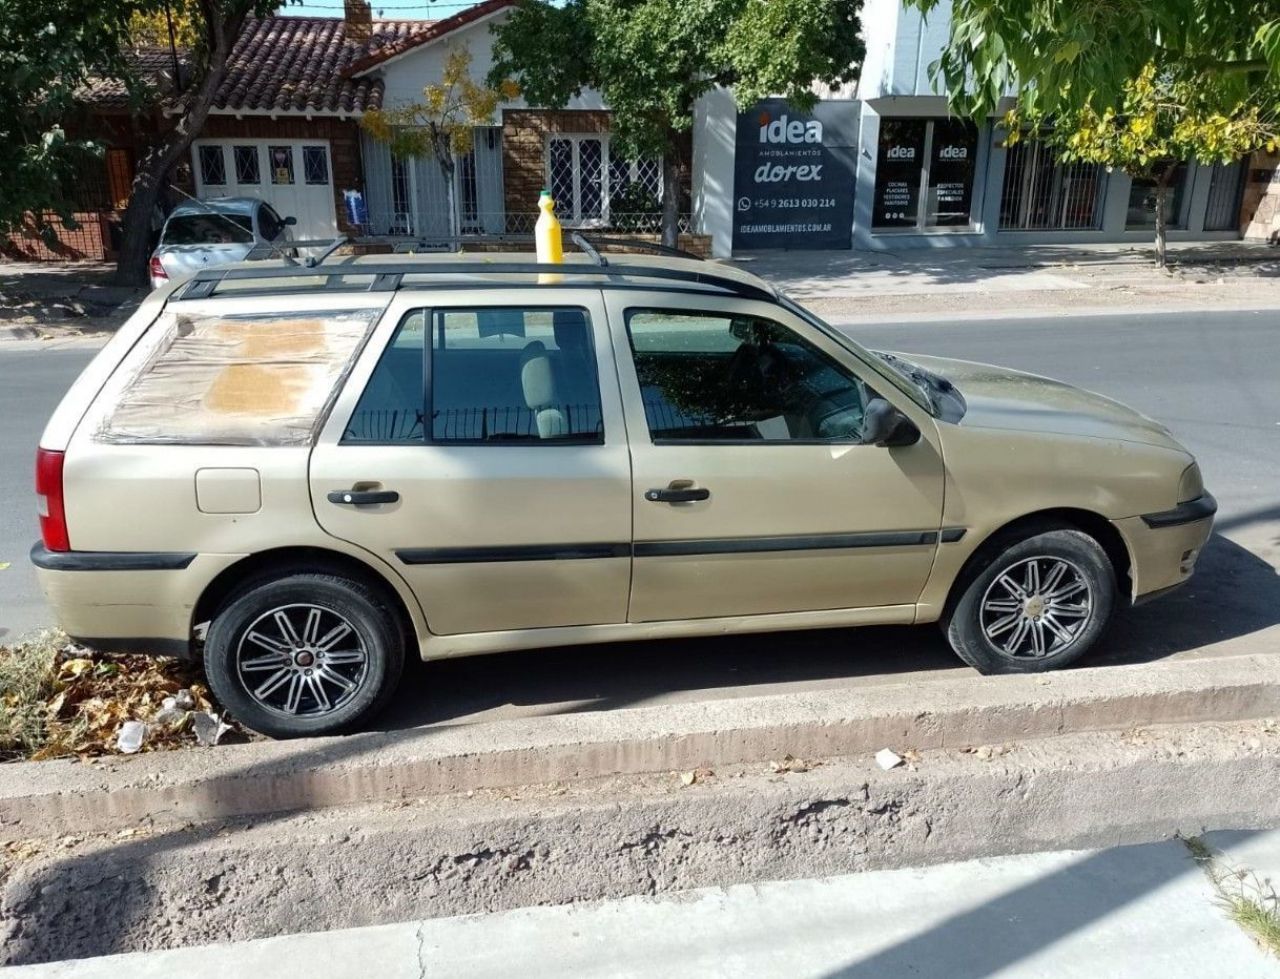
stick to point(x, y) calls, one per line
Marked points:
point(587, 243)
point(388, 276)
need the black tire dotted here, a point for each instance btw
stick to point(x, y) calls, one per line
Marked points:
point(371, 652)
point(1048, 548)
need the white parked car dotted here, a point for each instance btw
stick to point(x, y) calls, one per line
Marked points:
point(204, 234)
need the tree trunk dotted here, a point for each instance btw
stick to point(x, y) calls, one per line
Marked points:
point(670, 200)
point(1162, 192)
point(153, 171)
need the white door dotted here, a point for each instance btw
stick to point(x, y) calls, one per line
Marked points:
point(293, 176)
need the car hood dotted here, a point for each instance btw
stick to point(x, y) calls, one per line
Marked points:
point(996, 397)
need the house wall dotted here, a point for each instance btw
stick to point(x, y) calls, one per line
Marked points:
point(1260, 209)
point(524, 140)
point(405, 77)
point(344, 147)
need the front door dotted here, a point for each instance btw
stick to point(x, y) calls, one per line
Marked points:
point(752, 493)
point(476, 452)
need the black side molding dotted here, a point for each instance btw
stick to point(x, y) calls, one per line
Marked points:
point(526, 552)
point(49, 560)
point(1189, 512)
point(760, 545)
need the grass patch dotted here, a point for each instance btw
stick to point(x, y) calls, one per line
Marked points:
point(1249, 900)
point(58, 699)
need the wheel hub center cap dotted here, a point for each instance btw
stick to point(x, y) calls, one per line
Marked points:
point(1035, 607)
point(304, 658)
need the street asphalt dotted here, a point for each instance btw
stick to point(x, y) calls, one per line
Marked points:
point(1210, 376)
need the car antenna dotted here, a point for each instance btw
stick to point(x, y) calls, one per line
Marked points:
point(280, 252)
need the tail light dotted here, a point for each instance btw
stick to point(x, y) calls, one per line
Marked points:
point(158, 274)
point(53, 515)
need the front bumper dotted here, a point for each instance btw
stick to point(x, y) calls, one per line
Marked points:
point(1164, 546)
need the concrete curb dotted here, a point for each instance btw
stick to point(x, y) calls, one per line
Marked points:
point(263, 778)
point(640, 835)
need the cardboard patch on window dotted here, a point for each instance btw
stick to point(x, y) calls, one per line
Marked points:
point(239, 380)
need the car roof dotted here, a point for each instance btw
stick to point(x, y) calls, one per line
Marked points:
point(478, 270)
point(223, 205)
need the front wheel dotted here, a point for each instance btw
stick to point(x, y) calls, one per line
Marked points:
point(1039, 603)
point(304, 654)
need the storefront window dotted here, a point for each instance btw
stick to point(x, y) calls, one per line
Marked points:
point(1142, 201)
point(898, 170)
point(924, 174)
point(951, 164)
point(1042, 194)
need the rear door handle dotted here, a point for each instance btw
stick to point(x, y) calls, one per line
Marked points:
point(683, 495)
point(363, 497)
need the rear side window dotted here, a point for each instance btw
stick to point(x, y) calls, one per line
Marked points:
point(484, 376)
point(238, 380)
point(208, 229)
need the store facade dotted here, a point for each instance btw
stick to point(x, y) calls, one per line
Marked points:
point(911, 176)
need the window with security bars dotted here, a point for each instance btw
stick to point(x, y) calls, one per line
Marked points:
point(1041, 193)
point(247, 165)
point(585, 178)
point(315, 164)
point(213, 166)
point(401, 197)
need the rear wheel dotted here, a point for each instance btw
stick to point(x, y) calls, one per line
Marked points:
point(304, 654)
point(1036, 604)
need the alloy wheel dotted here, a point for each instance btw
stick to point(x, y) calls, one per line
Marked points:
point(1036, 607)
point(301, 660)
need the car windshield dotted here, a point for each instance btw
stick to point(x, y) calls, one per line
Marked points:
point(902, 376)
point(208, 229)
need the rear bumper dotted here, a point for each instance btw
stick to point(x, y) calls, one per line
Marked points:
point(127, 601)
point(1164, 546)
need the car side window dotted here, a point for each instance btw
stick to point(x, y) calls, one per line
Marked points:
point(486, 376)
point(719, 377)
point(269, 224)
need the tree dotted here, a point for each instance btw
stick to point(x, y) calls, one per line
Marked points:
point(217, 24)
point(48, 49)
point(1136, 85)
point(442, 125)
point(1066, 54)
point(651, 60)
point(1158, 124)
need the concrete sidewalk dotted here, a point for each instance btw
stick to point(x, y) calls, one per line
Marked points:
point(1022, 281)
point(1135, 911)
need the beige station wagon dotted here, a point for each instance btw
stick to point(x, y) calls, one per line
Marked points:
point(305, 471)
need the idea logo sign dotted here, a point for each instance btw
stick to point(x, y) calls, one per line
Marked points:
point(790, 131)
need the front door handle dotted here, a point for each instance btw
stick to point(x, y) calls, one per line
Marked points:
point(681, 495)
point(363, 497)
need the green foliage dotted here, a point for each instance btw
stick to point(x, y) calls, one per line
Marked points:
point(1066, 54)
point(1158, 122)
point(442, 124)
point(652, 59)
point(46, 48)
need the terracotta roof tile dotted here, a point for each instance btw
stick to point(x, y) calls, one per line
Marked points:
point(300, 64)
point(109, 94)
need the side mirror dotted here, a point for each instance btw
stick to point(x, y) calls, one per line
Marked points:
point(885, 426)
point(290, 221)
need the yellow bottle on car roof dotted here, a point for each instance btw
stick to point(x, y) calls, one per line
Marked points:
point(546, 232)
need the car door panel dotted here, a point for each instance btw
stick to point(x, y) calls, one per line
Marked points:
point(787, 526)
point(493, 536)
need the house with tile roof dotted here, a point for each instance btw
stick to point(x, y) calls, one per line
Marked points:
point(285, 128)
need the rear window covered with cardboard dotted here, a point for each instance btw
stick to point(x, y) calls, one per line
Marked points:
point(239, 380)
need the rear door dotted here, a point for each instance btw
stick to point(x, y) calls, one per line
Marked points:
point(753, 494)
point(476, 449)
